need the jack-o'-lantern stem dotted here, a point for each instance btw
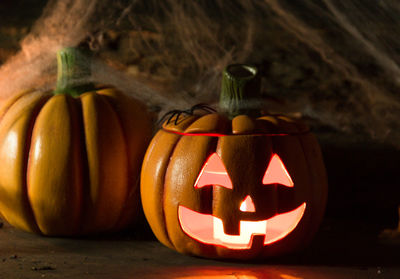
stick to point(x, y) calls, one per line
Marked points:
point(73, 72)
point(240, 90)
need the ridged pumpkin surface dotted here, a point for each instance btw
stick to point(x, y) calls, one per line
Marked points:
point(175, 158)
point(70, 166)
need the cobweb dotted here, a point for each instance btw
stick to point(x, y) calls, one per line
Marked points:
point(336, 62)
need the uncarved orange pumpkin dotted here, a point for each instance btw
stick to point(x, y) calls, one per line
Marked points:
point(233, 186)
point(70, 160)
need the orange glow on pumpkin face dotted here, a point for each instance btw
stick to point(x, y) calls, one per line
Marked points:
point(276, 173)
point(213, 173)
point(209, 229)
point(247, 205)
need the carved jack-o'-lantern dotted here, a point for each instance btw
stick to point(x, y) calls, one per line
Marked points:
point(245, 187)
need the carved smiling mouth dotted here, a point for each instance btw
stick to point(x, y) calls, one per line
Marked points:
point(209, 229)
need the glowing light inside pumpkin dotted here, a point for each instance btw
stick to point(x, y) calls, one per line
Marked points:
point(247, 205)
point(209, 229)
point(213, 173)
point(276, 173)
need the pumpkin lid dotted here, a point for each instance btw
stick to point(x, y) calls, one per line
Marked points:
point(214, 124)
point(240, 112)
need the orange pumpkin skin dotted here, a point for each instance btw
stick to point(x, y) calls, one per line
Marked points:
point(70, 166)
point(178, 152)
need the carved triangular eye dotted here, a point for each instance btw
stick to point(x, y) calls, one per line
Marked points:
point(213, 173)
point(276, 173)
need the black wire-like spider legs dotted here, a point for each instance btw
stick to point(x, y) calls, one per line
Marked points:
point(177, 113)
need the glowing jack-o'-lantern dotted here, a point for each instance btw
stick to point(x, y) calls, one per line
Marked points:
point(209, 229)
point(245, 187)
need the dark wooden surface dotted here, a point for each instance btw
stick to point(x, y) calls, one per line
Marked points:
point(342, 249)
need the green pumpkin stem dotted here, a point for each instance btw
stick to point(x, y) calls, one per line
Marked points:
point(73, 72)
point(240, 90)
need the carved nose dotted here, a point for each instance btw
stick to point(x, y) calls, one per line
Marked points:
point(247, 205)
